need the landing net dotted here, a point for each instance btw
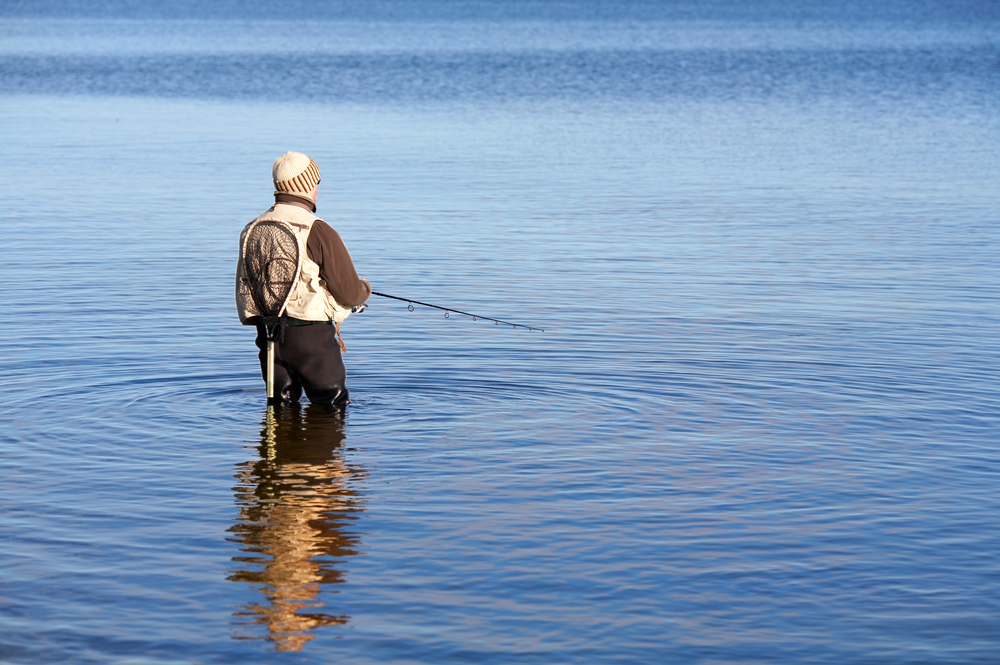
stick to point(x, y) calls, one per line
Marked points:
point(271, 264)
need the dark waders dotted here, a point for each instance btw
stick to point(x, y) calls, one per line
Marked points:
point(309, 360)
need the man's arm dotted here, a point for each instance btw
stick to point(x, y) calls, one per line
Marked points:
point(335, 266)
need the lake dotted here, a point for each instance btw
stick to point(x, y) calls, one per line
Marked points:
point(760, 425)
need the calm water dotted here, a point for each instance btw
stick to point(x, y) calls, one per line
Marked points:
point(761, 426)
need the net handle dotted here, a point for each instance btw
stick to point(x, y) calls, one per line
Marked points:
point(270, 368)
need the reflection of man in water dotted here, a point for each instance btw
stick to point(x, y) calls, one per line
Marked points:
point(296, 506)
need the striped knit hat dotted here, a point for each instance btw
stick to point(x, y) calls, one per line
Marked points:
point(295, 173)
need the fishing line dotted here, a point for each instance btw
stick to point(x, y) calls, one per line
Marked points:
point(448, 310)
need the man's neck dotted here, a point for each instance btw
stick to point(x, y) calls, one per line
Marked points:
point(293, 200)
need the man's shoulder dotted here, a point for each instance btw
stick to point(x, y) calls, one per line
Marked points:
point(321, 228)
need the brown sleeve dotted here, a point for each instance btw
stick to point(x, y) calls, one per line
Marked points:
point(335, 266)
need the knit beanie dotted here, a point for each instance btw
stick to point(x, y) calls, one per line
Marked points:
point(295, 173)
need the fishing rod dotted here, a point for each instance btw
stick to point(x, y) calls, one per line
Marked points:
point(496, 322)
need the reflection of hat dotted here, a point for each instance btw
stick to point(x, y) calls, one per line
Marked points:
point(295, 173)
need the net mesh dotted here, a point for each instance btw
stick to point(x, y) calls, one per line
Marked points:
point(270, 264)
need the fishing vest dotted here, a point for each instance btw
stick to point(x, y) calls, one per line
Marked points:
point(309, 300)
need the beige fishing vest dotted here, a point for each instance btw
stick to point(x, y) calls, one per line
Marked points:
point(309, 300)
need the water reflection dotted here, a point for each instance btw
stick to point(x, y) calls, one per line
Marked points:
point(297, 507)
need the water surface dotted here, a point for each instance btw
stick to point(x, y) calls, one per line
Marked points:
point(760, 425)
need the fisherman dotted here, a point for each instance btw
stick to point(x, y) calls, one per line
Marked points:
point(307, 350)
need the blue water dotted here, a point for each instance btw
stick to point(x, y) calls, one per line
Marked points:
point(761, 424)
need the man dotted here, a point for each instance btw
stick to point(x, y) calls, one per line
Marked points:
point(307, 355)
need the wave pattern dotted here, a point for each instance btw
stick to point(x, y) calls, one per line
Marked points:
point(761, 424)
point(972, 74)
